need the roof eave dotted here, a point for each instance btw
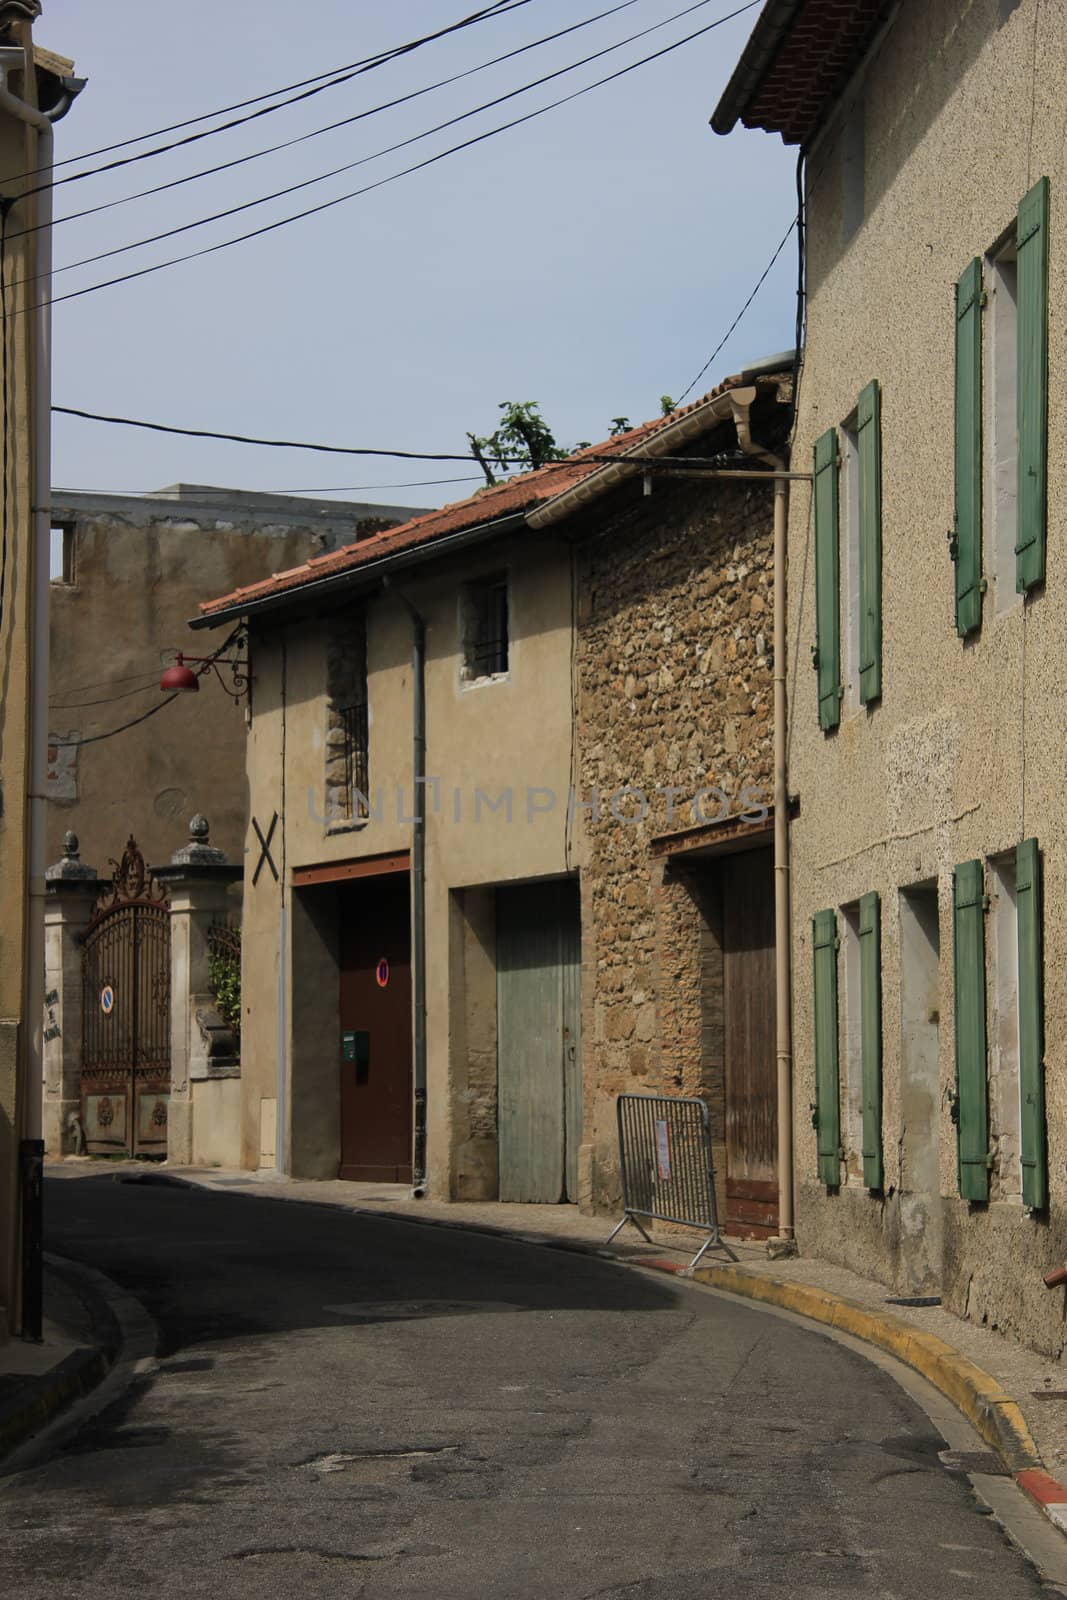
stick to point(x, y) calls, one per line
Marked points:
point(662, 443)
point(772, 25)
point(365, 574)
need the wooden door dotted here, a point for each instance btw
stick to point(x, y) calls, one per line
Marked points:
point(749, 1044)
point(538, 1041)
point(375, 1016)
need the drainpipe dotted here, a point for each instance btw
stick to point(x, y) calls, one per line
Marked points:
point(418, 883)
point(13, 59)
point(782, 927)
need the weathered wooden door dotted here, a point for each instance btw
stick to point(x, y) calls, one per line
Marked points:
point(375, 1016)
point(539, 1048)
point(749, 1040)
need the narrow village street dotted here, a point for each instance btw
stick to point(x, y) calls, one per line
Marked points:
point(351, 1406)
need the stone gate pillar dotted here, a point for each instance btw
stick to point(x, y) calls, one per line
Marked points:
point(72, 889)
point(203, 1125)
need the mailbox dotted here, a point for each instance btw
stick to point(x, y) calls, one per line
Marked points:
point(355, 1047)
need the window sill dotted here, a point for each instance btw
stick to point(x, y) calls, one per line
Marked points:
point(489, 679)
point(349, 825)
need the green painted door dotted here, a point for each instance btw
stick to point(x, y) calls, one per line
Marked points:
point(539, 1054)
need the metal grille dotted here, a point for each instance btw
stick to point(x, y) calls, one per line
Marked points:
point(487, 644)
point(668, 1175)
point(357, 758)
point(125, 1077)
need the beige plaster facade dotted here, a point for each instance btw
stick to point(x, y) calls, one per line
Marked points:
point(20, 1032)
point(129, 573)
point(506, 736)
point(957, 113)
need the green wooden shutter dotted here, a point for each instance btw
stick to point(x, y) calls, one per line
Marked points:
point(869, 426)
point(967, 533)
point(827, 1108)
point(871, 1036)
point(827, 582)
point(1031, 1025)
point(968, 954)
point(1031, 237)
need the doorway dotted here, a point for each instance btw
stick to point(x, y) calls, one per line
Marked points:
point(920, 1187)
point(748, 1009)
point(376, 1029)
point(539, 1051)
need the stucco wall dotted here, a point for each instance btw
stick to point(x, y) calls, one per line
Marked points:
point(962, 756)
point(674, 668)
point(487, 739)
point(141, 569)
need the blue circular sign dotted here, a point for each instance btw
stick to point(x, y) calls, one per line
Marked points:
point(107, 999)
point(382, 973)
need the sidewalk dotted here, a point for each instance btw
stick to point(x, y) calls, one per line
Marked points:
point(1015, 1398)
point(79, 1344)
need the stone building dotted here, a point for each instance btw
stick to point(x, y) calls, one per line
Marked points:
point(561, 634)
point(930, 1005)
point(127, 573)
point(674, 746)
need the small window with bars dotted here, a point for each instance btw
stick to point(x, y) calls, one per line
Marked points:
point(485, 628)
point(356, 753)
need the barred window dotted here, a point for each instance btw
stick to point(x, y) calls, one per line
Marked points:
point(347, 723)
point(485, 628)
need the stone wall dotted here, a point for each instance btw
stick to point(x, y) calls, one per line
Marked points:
point(673, 662)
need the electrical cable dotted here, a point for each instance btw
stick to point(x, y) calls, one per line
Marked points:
point(213, 495)
point(327, 205)
point(244, 438)
point(135, 722)
point(760, 281)
point(362, 161)
point(359, 116)
point(108, 700)
point(336, 75)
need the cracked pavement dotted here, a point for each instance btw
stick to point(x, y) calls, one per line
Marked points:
point(349, 1406)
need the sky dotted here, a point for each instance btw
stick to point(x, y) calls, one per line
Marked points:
point(590, 259)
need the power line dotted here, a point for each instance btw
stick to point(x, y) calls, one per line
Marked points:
point(349, 166)
point(419, 166)
point(213, 495)
point(244, 438)
point(135, 722)
point(332, 127)
point(336, 75)
point(761, 280)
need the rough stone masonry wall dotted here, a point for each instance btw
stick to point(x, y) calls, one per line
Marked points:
point(674, 683)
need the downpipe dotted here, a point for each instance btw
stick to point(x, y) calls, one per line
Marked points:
point(418, 886)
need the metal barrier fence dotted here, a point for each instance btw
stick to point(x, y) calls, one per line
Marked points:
point(667, 1170)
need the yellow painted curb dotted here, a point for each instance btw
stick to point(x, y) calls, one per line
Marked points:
point(981, 1399)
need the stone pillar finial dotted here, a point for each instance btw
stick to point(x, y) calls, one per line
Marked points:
point(70, 868)
point(198, 852)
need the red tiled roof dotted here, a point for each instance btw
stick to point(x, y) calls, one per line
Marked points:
point(797, 61)
point(489, 505)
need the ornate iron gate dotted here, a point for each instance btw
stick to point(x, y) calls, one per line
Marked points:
point(125, 1077)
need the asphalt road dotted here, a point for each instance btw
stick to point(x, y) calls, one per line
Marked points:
point(347, 1406)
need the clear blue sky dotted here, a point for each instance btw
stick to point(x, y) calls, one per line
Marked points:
point(590, 260)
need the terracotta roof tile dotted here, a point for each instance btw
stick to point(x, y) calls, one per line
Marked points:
point(488, 505)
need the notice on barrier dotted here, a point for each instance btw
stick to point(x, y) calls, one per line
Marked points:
point(663, 1152)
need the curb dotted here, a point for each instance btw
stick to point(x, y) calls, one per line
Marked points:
point(982, 1400)
point(123, 1334)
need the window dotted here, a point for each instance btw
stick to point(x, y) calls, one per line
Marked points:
point(1001, 447)
point(485, 628)
point(848, 583)
point(1004, 1102)
point(862, 1096)
point(852, 1089)
point(1002, 422)
point(61, 553)
point(347, 723)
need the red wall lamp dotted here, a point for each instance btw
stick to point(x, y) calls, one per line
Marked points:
point(179, 677)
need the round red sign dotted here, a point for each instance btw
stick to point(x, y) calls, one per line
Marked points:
point(382, 973)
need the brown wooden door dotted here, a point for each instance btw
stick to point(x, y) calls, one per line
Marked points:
point(749, 1017)
point(375, 1044)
